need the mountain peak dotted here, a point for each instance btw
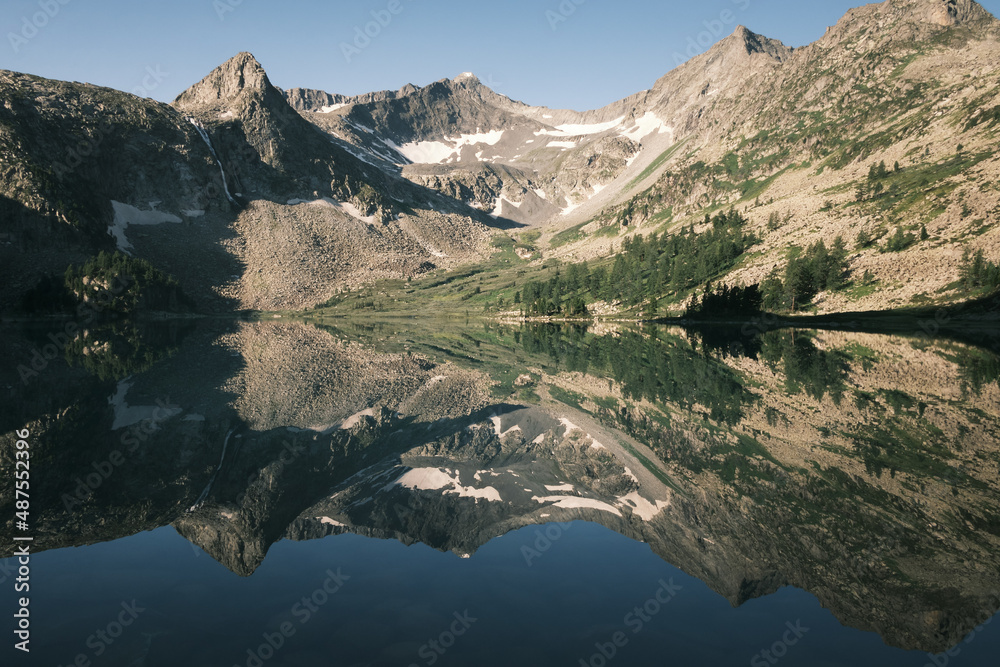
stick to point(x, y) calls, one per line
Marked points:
point(742, 32)
point(909, 20)
point(466, 76)
point(745, 41)
point(945, 12)
point(226, 82)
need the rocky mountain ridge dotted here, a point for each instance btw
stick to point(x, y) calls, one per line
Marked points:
point(255, 178)
point(788, 136)
point(197, 188)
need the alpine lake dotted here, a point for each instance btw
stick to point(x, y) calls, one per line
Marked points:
point(297, 492)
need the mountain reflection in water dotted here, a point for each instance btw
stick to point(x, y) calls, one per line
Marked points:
point(860, 468)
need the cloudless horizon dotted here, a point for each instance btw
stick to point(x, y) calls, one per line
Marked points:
point(576, 54)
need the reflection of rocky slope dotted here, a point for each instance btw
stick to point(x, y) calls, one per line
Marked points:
point(302, 434)
point(855, 462)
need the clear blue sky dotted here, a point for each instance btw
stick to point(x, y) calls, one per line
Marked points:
point(602, 51)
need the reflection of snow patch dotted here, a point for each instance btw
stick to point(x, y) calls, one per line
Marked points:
point(330, 522)
point(570, 426)
point(356, 417)
point(435, 479)
point(574, 502)
point(127, 415)
point(496, 427)
point(560, 487)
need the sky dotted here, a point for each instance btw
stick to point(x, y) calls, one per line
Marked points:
point(576, 54)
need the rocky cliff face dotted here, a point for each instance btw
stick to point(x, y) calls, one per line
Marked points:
point(309, 100)
point(196, 188)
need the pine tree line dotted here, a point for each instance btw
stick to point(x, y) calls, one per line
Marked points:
point(807, 274)
point(647, 269)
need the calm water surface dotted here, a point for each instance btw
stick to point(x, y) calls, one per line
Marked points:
point(427, 494)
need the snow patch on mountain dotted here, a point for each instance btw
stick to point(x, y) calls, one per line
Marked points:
point(126, 215)
point(569, 209)
point(437, 152)
point(577, 130)
point(646, 126)
point(346, 207)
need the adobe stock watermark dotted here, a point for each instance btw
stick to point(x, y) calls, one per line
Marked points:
point(714, 30)
point(435, 648)
point(223, 7)
point(302, 611)
point(365, 34)
point(635, 620)
point(102, 638)
point(943, 659)
point(131, 439)
point(87, 312)
point(779, 649)
point(83, 149)
point(562, 13)
point(30, 26)
point(150, 82)
point(544, 540)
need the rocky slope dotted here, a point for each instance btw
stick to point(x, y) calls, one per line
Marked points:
point(261, 198)
point(786, 135)
point(208, 189)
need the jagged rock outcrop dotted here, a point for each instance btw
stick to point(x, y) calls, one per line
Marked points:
point(318, 101)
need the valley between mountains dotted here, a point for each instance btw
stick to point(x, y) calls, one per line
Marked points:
point(876, 142)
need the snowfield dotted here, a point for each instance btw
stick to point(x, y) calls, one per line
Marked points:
point(437, 152)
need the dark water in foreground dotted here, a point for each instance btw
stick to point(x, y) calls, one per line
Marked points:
point(419, 494)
